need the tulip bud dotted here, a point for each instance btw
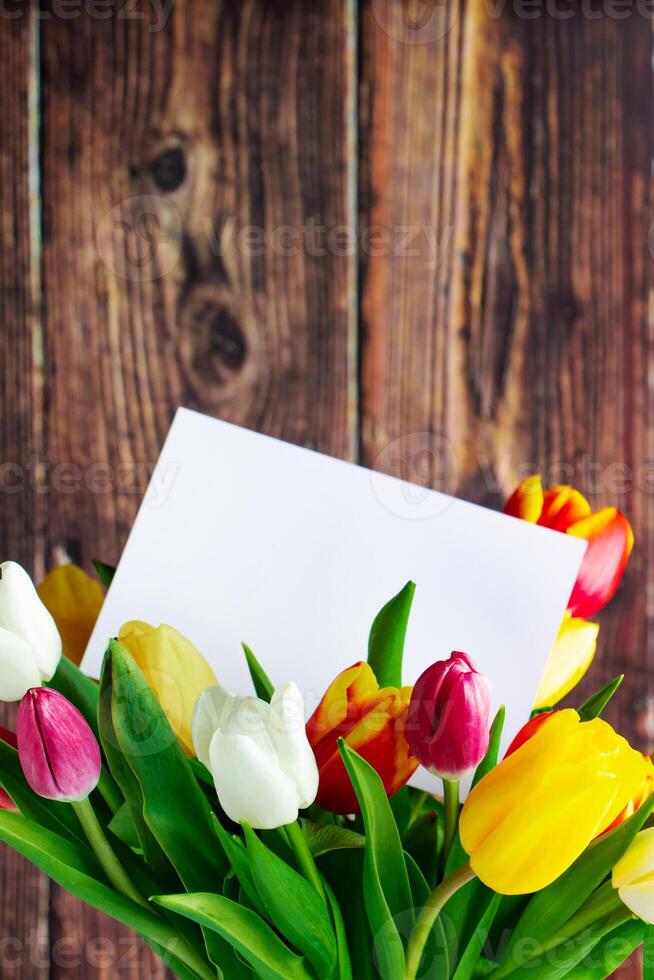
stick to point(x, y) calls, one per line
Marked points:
point(633, 876)
point(258, 753)
point(30, 646)
point(58, 751)
point(448, 720)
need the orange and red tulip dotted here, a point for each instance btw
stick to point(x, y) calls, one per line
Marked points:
point(372, 721)
point(608, 533)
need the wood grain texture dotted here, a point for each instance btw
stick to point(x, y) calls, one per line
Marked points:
point(199, 177)
point(24, 893)
point(180, 165)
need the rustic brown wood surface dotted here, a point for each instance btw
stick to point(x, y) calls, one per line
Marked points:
point(415, 234)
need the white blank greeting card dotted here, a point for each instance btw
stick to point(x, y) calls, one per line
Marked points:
point(244, 537)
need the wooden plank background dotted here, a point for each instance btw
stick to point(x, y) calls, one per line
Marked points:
point(414, 234)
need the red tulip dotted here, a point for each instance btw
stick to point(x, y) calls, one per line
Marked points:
point(448, 721)
point(58, 751)
point(371, 720)
point(608, 533)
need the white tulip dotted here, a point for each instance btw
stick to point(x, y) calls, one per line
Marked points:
point(30, 645)
point(258, 753)
point(633, 876)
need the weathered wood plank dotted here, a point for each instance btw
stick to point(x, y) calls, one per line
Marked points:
point(520, 146)
point(24, 893)
point(180, 167)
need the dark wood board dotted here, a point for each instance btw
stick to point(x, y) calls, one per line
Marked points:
point(167, 195)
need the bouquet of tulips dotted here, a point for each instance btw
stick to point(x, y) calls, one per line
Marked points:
point(242, 841)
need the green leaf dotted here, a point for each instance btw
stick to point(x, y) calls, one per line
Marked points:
point(611, 952)
point(123, 827)
point(166, 781)
point(401, 807)
point(80, 690)
point(58, 817)
point(594, 706)
point(648, 952)
point(344, 872)
point(105, 572)
point(294, 906)
point(470, 957)
point(387, 892)
point(550, 908)
point(124, 775)
point(387, 635)
point(344, 963)
point(74, 868)
point(244, 930)
point(262, 683)
point(322, 838)
point(437, 950)
point(421, 842)
point(494, 738)
point(238, 858)
point(562, 960)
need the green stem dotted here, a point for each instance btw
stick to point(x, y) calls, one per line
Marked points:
point(109, 791)
point(304, 857)
point(429, 914)
point(451, 810)
point(104, 853)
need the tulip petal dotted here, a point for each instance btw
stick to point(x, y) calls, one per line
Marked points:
point(639, 899)
point(610, 540)
point(637, 863)
point(18, 669)
point(74, 599)
point(294, 753)
point(526, 501)
point(175, 670)
point(210, 714)
point(58, 751)
point(351, 686)
point(250, 785)
point(568, 661)
point(529, 818)
point(562, 507)
point(23, 613)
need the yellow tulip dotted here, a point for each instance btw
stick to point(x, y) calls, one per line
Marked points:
point(175, 670)
point(532, 816)
point(568, 661)
point(74, 601)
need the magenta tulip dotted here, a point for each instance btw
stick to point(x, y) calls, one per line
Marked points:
point(448, 720)
point(58, 751)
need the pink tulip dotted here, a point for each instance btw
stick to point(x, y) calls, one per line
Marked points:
point(58, 751)
point(448, 720)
